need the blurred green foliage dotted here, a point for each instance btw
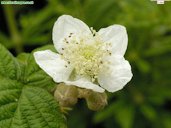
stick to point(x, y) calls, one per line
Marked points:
point(146, 101)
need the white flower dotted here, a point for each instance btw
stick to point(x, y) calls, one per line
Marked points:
point(86, 58)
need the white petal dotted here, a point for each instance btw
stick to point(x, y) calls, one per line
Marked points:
point(117, 36)
point(118, 75)
point(85, 83)
point(64, 26)
point(53, 65)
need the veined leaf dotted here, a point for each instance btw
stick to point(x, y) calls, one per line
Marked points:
point(32, 74)
point(23, 101)
point(37, 109)
point(8, 65)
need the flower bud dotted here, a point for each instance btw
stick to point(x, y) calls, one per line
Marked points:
point(96, 101)
point(67, 96)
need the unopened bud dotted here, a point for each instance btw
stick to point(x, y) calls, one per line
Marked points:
point(67, 96)
point(96, 101)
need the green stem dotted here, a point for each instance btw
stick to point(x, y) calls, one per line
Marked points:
point(14, 33)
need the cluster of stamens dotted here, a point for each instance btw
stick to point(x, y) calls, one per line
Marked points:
point(86, 53)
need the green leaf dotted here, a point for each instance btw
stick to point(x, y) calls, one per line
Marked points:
point(32, 74)
point(8, 65)
point(23, 101)
point(37, 109)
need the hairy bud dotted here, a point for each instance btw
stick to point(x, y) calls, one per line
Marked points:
point(96, 101)
point(67, 96)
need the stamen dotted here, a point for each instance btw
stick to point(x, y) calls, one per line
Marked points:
point(86, 53)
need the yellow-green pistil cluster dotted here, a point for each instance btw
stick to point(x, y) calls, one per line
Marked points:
point(85, 53)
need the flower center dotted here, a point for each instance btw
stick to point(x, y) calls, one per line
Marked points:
point(86, 53)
